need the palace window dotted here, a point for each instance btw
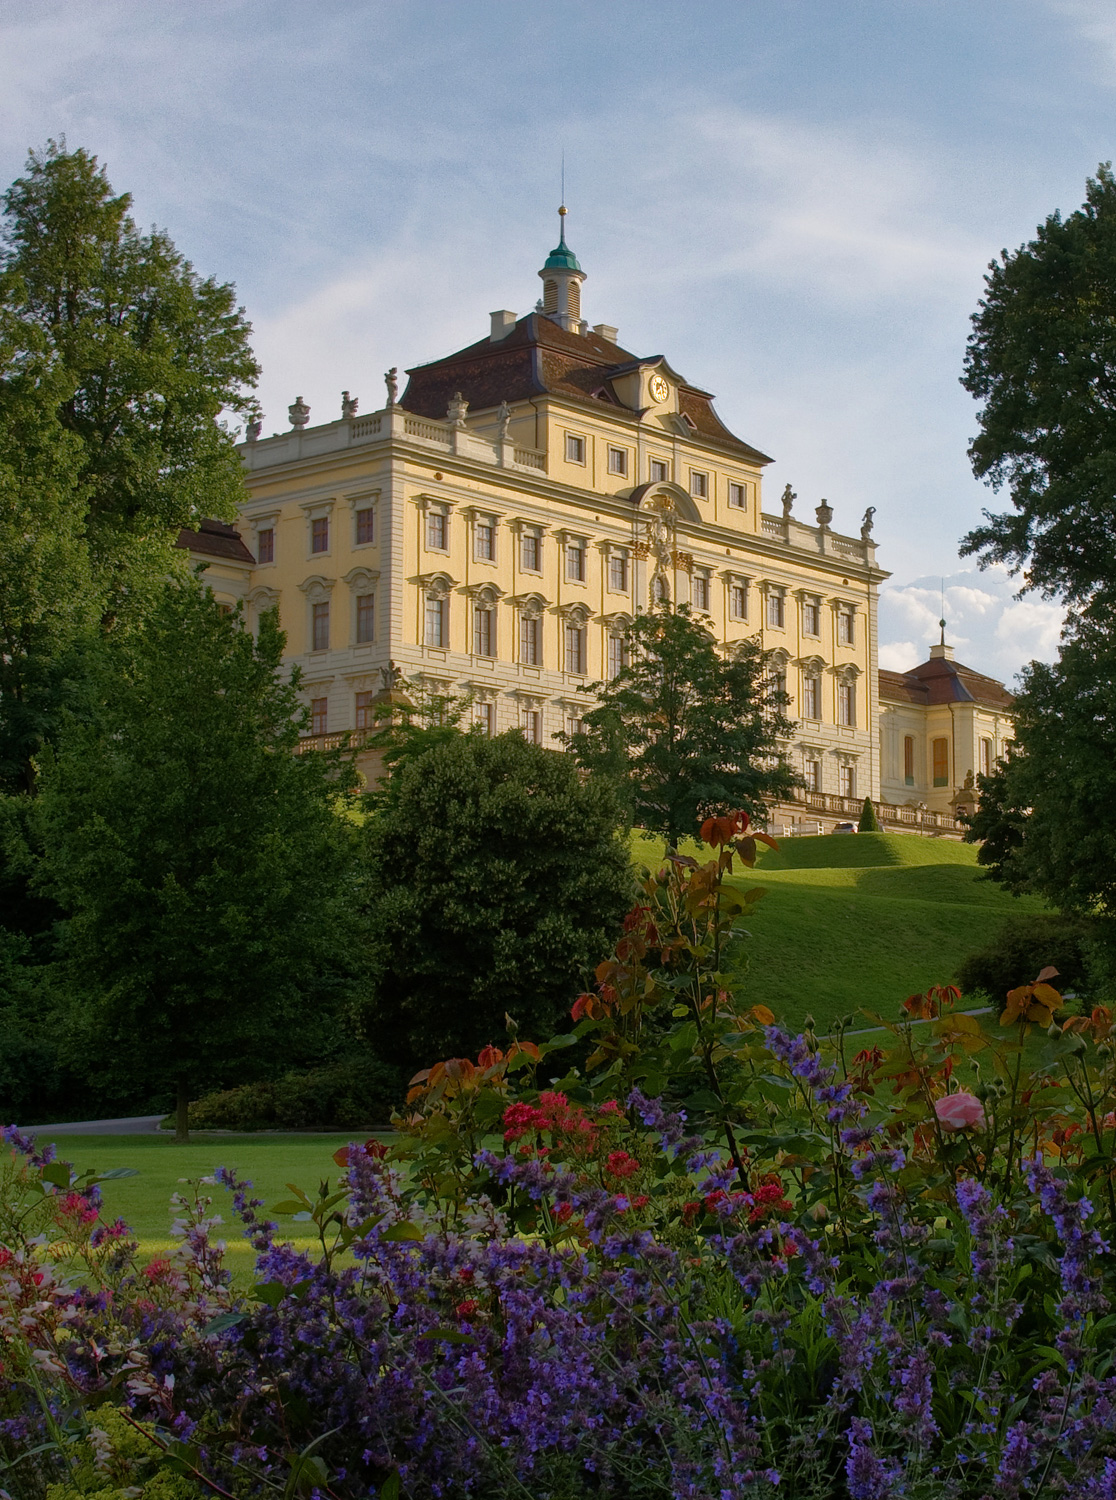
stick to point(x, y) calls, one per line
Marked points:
point(618, 461)
point(618, 655)
point(319, 715)
point(699, 484)
point(846, 625)
point(530, 641)
point(811, 695)
point(265, 544)
point(365, 526)
point(532, 725)
point(846, 703)
point(699, 591)
point(320, 627)
point(908, 760)
point(811, 617)
point(847, 781)
point(485, 541)
point(365, 713)
point(575, 725)
point(365, 618)
point(531, 553)
point(939, 750)
point(812, 775)
point(575, 449)
point(738, 496)
point(484, 714)
point(738, 601)
point(437, 531)
point(484, 631)
point(661, 589)
point(435, 632)
point(986, 757)
point(660, 470)
point(575, 648)
point(575, 561)
point(618, 572)
point(319, 534)
point(776, 610)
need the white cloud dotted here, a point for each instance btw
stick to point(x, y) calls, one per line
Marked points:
point(989, 628)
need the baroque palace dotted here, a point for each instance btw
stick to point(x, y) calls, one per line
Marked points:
point(495, 528)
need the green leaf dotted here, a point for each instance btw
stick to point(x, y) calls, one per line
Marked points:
point(289, 1206)
point(221, 1322)
point(404, 1230)
point(389, 1490)
point(57, 1173)
point(269, 1292)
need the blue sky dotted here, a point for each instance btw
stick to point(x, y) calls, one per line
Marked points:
point(794, 200)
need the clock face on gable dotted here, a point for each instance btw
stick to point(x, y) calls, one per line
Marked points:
point(658, 388)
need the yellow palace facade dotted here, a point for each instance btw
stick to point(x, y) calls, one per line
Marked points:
point(494, 528)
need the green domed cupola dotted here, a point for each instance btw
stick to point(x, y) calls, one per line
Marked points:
point(562, 277)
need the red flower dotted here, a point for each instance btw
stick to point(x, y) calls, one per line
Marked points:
point(620, 1164)
point(690, 1211)
point(466, 1309)
point(641, 1202)
point(610, 1107)
point(519, 1119)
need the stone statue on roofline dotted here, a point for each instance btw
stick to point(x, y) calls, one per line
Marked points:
point(504, 418)
point(455, 411)
point(253, 430)
point(299, 413)
point(349, 406)
point(789, 497)
point(391, 380)
point(867, 524)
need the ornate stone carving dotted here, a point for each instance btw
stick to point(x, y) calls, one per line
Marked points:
point(391, 676)
point(867, 524)
point(455, 411)
point(789, 497)
point(683, 561)
point(349, 406)
point(504, 416)
point(824, 513)
point(391, 380)
point(252, 431)
point(299, 413)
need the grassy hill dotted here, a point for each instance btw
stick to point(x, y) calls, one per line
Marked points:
point(865, 919)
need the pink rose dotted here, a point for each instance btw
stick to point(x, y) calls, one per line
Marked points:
point(959, 1111)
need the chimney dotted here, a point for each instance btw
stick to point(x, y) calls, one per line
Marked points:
point(502, 324)
point(606, 331)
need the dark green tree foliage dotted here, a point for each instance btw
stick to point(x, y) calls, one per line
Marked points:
point(869, 823)
point(208, 877)
point(1025, 946)
point(1047, 816)
point(1042, 359)
point(151, 351)
point(687, 730)
point(498, 878)
point(48, 600)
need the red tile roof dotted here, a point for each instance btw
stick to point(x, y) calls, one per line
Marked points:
point(941, 681)
point(539, 358)
point(216, 539)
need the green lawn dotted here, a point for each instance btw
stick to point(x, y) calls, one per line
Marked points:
point(270, 1161)
point(863, 920)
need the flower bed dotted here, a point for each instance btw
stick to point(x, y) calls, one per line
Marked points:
point(675, 1252)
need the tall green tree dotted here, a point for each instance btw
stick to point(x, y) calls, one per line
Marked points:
point(207, 874)
point(1046, 822)
point(1042, 360)
point(152, 351)
point(117, 361)
point(687, 729)
point(498, 878)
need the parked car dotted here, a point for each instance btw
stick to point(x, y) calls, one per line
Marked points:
point(844, 828)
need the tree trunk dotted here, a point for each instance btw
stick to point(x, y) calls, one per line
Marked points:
point(182, 1113)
